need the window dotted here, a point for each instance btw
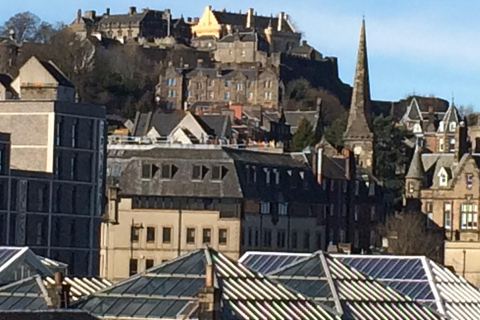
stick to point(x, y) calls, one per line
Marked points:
point(171, 82)
point(267, 95)
point(211, 82)
point(222, 236)
point(73, 164)
point(345, 186)
point(443, 179)
point(283, 209)
point(227, 83)
point(172, 93)
point(134, 233)
point(239, 86)
point(357, 212)
point(147, 171)
point(447, 212)
point(356, 239)
point(133, 267)
point(281, 238)
point(58, 132)
point(167, 171)
point(468, 218)
point(372, 213)
point(332, 210)
point(277, 176)
point(267, 238)
point(373, 239)
point(429, 220)
point(294, 240)
point(267, 175)
point(306, 240)
point(267, 84)
point(217, 173)
point(410, 187)
point(265, 207)
point(166, 235)
point(243, 53)
point(211, 95)
point(326, 208)
point(39, 233)
point(197, 172)
point(149, 263)
point(250, 95)
point(452, 126)
point(331, 235)
point(357, 187)
point(150, 234)
point(332, 185)
point(469, 180)
point(207, 236)
point(451, 146)
point(191, 235)
point(199, 85)
point(342, 235)
point(441, 145)
point(226, 96)
point(371, 189)
point(74, 134)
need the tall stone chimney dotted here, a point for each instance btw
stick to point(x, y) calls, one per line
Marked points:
point(209, 297)
point(249, 18)
point(281, 18)
point(132, 10)
point(79, 15)
point(107, 12)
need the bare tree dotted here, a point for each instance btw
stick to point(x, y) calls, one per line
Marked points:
point(411, 233)
point(26, 26)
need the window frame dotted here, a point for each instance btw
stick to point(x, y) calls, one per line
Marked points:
point(190, 235)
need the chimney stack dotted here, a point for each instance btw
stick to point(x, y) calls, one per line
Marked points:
point(132, 10)
point(209, 276)
point(209, 297)
point(281, 17)
point(58, 293)
point(249, 18)
point(107, 12)
point(79, 15)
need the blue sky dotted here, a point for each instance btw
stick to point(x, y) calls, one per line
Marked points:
point(426, 47)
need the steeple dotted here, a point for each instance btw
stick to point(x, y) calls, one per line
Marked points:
point(358, 136)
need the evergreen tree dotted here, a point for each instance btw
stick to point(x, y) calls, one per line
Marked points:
point(391, 155)
point(334, 132)
point(304, 137)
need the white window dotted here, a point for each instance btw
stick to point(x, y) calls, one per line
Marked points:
point(239, 86)
point(226, 96)
point(443, 181)
point(452, 126)
point(410, 187)
point(171, 93)
point(265, 207)
point(283, 209)
point(441, 145)
point(447, 214)
point(451, 146)
point(441, 126)
point(468, 218)
point(267, 95)
point(357, 212)
point(373, 213)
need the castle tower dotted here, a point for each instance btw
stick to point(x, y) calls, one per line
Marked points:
point(358, 136)
point(415, 181)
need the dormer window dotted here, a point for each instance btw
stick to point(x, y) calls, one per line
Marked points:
point(452, 126)
point(441, 145)
point(443, 178)
point(441, 126)
point(410, 187)
point(469, 180)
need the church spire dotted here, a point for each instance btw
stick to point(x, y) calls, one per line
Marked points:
point(358, 136)
point(358, 124)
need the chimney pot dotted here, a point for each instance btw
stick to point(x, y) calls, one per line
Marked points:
point(304, 42)
point(132, 10)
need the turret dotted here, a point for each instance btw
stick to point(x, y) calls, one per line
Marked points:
point(415, 180)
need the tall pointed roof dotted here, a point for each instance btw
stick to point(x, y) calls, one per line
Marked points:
point(358, 125)
point(416, 170)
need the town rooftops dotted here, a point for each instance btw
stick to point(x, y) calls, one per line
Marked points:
point(260, 22)
point(169, 291)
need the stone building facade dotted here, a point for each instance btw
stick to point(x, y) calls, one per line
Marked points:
point(179, 88)
point(55, 194)
point(279, 32)
point(235, 200)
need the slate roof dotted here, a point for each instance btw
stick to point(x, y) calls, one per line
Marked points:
point(293, 118)
point(434, 162)
point(235, 164)
point(56, 74)
point(416, 169)
point(424, 281)
point(170, 289)
point(124, 18)
point(261, 22)
point(47, 315)
point(350, 292)
point(413, 111)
